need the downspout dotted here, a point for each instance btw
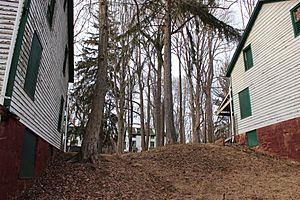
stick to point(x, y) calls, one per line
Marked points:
point(231, 113)
point(11, 52)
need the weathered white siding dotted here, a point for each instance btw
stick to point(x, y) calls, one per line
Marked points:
point(274, 80)
point(42, 114)
point(8, 19)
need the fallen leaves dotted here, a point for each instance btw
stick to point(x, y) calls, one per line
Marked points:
point(172, 172)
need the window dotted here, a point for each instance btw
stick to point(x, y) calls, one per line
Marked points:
point(61, 110)
point(65, 61)
point(248, 60)
point(151, 145)
point(138, 131)
point(252, 139)
point(33, 66)
point(65, 4)
point(50, 12)
point(133, 144)
point(27, 167)
point(295, 14)
point(245, 104)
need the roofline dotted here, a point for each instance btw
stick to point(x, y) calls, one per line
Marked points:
point(71, 40)
point(246, 34)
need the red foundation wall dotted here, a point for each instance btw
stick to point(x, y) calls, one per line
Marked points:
point(281, 139)
point(11, 141)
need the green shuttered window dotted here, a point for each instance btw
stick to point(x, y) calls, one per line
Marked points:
point(295, 14)
point(28, 155)
point(245, 103)
point(252, 139)
point(33, 66)
point(65, 4)
point(65, 61)
point(248, 58)
point(60, 113)
point(50, 12)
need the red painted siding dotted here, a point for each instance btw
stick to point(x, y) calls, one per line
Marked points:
point(11, 141)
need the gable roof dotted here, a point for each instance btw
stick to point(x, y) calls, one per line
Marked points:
point(246, 34)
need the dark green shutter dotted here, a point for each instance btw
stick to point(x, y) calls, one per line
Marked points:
point(60, 113)
point(252, 139)
point(296, 24)
point(65, 4)
point(28, 155)
point(248, 58)
point(65, 61)
point(50, 12)
point(33, 66)
point(245, 103)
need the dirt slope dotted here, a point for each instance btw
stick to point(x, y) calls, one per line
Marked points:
point(173, 172)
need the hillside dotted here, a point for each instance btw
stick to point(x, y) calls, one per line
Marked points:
point(173, 172)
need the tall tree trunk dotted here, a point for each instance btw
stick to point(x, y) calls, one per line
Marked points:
point(141, 88)
point(181, 122)
point(148, 109)
point(208, 100)
point(162, 124)
point(168, 99)
point(158, 115)
point(90, 149)
point(130, 113)
point(121, 131)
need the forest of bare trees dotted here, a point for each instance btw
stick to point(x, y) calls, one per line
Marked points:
point(161, 63)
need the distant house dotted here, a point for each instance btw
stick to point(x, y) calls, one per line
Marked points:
point(137, 139)
point(36, 64)
point(265, 80)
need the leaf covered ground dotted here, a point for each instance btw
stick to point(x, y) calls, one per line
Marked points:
point(172, 172)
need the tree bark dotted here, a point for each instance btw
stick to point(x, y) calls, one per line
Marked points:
point(168, 98)
point(90, 149)
point(208, 100)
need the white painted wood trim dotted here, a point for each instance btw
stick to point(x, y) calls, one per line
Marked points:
point(11, 51)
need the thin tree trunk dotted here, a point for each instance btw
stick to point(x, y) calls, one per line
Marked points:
point(90, 149)
point(148, 109)
point(208, 100)
point(181, 122)
point(158, 115)
point(168, 99)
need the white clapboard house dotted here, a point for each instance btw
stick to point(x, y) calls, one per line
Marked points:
point(265, 80)
point(36, 64)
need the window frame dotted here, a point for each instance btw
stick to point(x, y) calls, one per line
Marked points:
point(245, 107)
point(248, 61)
point(294, 22)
